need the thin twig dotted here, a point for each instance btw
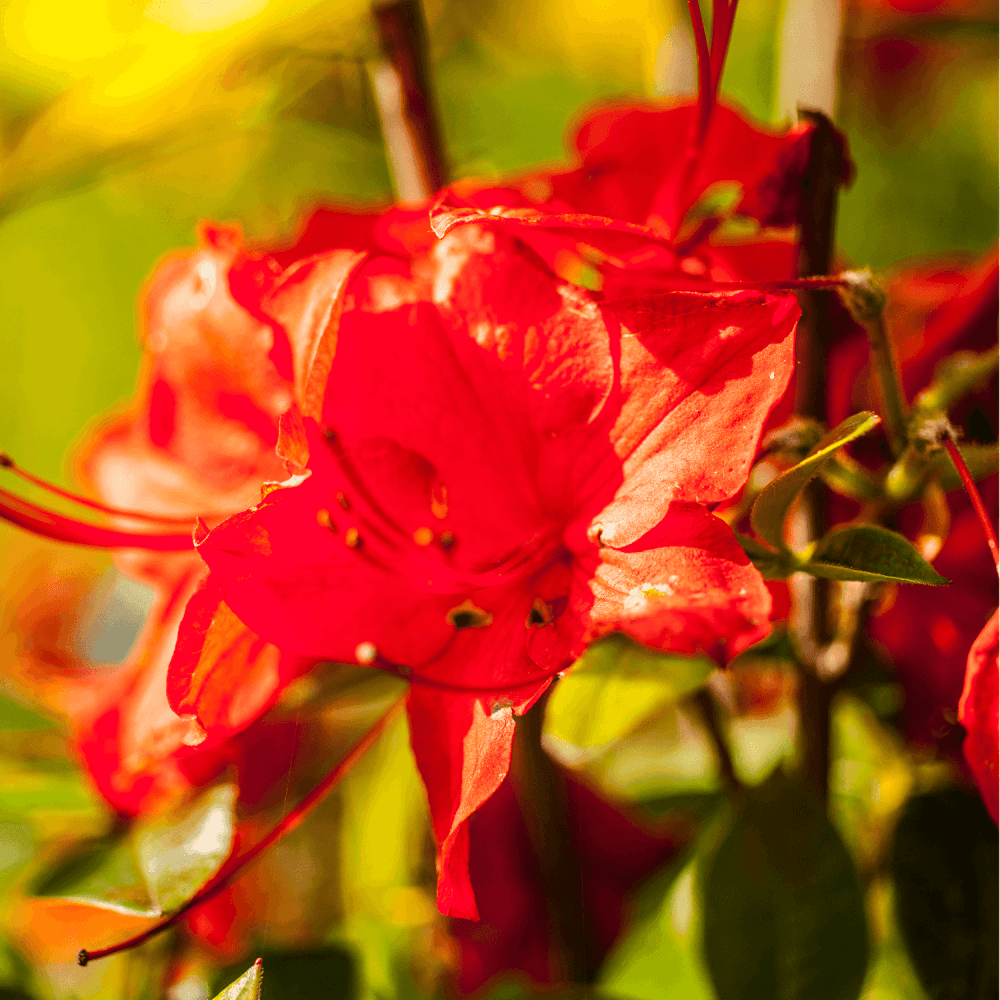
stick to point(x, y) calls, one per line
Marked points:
point(710, 716)
point(890, 382)
point(977, 500)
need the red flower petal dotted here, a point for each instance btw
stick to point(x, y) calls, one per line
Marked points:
point(463, 754)
point(978, 712)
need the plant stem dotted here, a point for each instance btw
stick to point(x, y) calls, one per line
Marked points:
point(541, 793)
point(710, 716)
point(890, 383)
point(977, 500)
point(810, 596)
point(234, 866)
point(418, 145)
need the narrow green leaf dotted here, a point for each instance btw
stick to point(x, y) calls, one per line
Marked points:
point(870, 552)
point(784, 912)
point(771, 507)
point(770, 564)
point(179, 852)
point(944, 869)
point(612, 688)
point(247, 987)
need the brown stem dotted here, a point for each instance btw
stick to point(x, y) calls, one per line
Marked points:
point(710, 716)
point(810, 596)
point(234, 866)
point(403, 35)
point(541, 794)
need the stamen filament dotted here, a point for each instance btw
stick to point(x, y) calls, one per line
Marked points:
point(230, 870)
point(66, 529)
point(706, 94)
point(376, 527)
point(977, 500)
point(6, 462)
point(723, 16)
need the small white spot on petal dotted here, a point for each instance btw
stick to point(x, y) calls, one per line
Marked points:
point(366, 653)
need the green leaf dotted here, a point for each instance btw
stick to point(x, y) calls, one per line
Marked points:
point(661, 956)
point(247, 987)
point(870, 552)
point(156, 867)
point(772, 506)
point(101, 873)
point(944, 868)
point(178, 853)
point(770, 564)
point(612, 688)
point(784, 913)
point(316, 972)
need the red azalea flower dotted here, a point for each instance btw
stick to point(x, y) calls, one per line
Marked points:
point(978, 712)
point(615, 221)
point(198, 440)
point(500, 469)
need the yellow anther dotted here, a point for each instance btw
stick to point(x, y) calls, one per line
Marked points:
point(540, 614)
point(439, 501)
point(323, 518)
point(423, 536)
point(351, 538)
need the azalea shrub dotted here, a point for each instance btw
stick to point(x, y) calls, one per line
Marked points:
point(511, 573)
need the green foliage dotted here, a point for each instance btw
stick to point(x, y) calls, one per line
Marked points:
point(775, 500)
point(771, 565)
point(944, 866)
point(852, 552)
point(784, 914)
point(660, 955)
point(154, 868)
point(298, 975)
point(926, 154)
point(247, 987)
point(180, 852)
point(612, 688)
point(869, 552)
point(103, 873)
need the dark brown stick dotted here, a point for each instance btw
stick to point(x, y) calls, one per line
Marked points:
point(404, 40)
point(817, 220)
